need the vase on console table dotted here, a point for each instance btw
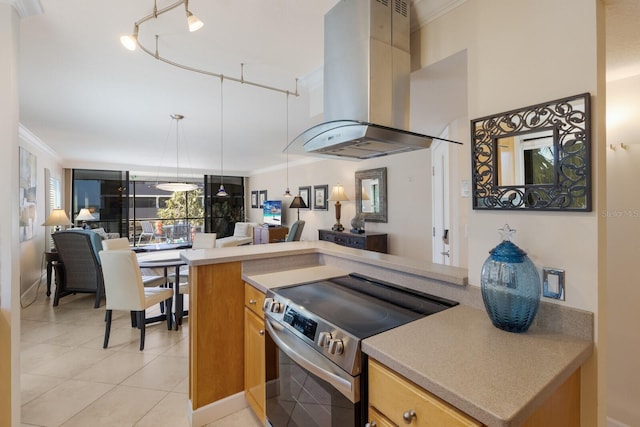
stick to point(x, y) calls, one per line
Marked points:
point(510, 286)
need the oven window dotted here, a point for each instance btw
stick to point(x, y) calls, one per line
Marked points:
point(297, 398)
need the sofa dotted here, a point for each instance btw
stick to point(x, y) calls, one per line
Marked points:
point(242, 235)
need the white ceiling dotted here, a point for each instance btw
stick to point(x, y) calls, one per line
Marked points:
point(98, 105)
point(93, 101)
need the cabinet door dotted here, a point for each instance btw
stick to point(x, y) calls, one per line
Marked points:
point(254, 363)
point(402, 402)
point(253, 299)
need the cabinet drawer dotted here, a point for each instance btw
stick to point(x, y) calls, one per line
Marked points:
point(393, 395)
point(376, 419)
point(253, 299)
point(355, 243)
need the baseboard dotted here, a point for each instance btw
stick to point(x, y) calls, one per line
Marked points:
point(34, 288)
point(613, 423)
point(216, 410)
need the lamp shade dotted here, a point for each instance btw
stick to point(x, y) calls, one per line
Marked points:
point(338, 194)
point(57, 218)
point(84, 215)
point(298, 203)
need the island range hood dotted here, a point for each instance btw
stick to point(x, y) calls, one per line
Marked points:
point(367, 68)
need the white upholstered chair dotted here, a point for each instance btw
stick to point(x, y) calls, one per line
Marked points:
point(116, 244)
point(200, 241)
point(122, 243)
point(125, 291)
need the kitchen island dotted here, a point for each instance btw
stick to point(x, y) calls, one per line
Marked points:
point(496, 377)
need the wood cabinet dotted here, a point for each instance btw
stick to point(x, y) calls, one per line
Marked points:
point(393, 397)
point(254, 351)
point(370, 241)
point(263, 235)
point(393, 400)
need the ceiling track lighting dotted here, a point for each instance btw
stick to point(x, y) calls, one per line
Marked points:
point(221, 191)
point(178, 185)
point(132, 41)
point(287, 192)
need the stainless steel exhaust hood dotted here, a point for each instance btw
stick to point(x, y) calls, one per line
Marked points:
point(367, 69)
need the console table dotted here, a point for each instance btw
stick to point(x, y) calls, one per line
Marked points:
point(376, 242)
point(269, 235)
point(53, 259)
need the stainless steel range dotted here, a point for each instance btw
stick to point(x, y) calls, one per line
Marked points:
point(317, 328)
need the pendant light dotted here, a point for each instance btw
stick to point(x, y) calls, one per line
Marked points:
point(178, 185)
point(287, 192)
point(221, 191)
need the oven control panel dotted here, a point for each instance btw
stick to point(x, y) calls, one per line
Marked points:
point(300, 323)
point(332, 342)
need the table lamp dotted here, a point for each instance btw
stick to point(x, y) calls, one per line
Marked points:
point(298, 203)
point(338, 195)
point(84, 215)
point(57, 218)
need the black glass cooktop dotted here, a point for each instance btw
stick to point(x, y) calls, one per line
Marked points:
point(363, 306)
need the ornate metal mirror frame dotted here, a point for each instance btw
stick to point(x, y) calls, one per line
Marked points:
point(513, 169)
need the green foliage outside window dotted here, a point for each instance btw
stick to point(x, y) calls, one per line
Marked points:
point(177, 209)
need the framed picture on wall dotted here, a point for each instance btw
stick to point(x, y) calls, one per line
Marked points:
point(305, 194)
point(320, 194)
point(262, 196)
point(254, 199)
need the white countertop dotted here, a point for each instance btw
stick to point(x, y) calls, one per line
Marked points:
point(444, 273)
point(267, 281)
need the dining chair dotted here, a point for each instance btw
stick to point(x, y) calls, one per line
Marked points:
point(125, 291)
point(122, 243)
point(116, 244)
point(200, 241)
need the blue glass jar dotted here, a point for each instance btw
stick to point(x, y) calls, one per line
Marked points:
point(510, 286)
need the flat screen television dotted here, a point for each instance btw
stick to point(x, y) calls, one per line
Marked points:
point(272, 212)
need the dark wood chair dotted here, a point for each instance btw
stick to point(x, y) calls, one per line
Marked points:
point(79, 269)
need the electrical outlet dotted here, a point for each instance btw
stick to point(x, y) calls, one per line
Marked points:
point(553, 283)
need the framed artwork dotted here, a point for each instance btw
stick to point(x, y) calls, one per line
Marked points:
point(28, 183)
point(254, 199)
point(320, 194)
point(305, 194)
point(262, 196)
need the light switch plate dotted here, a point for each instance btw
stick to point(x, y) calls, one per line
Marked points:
point(553, 283)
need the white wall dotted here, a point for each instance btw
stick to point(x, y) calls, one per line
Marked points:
point(516, 58)
point(32, 272)
point(623, 233)
point(408, 196)
point(9, 286)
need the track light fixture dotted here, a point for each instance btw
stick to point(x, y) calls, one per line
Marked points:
point(221, 191)
point(193, 23)
point(132, 41)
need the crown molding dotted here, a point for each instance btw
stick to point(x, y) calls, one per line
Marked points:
point(26, 135)
point(426, 11)
point(25, 8)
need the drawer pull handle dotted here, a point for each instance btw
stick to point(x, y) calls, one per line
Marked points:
point(409, 416)
point(252, 301)
point(371, 424)
point(261, 332)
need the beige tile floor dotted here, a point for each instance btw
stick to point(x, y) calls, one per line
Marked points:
point(68, 379)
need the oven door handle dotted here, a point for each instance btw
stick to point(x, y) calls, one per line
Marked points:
point(311, 360)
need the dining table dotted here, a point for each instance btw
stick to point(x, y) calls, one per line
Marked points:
point(166, 259)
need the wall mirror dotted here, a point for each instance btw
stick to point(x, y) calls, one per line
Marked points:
point(536, 157)
point(371, 194)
